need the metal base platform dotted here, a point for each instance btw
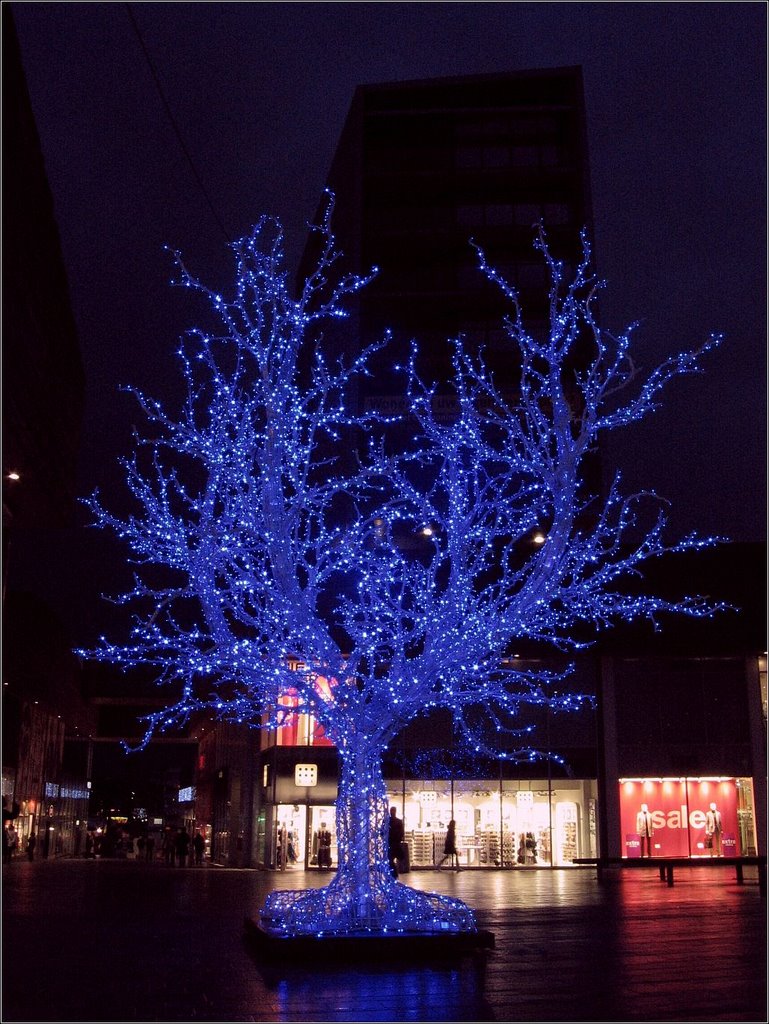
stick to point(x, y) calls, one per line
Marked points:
point(368, 946)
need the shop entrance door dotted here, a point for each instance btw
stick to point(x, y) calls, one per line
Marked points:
point(290, 838)
point(322, 848)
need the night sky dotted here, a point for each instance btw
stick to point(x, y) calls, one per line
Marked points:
point(675, 96)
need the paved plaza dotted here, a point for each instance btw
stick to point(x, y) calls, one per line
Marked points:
point(129, 941)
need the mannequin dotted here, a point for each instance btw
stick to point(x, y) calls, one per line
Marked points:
point(324, 847)
point(713, 830)
point(644, 829)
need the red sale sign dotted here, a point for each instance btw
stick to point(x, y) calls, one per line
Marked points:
point(678, 812)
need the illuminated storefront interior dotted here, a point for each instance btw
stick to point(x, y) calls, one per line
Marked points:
point(499, 823)
point(678, 810)
point(545, 821)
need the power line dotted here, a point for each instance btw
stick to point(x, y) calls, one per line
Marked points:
point(174, 125)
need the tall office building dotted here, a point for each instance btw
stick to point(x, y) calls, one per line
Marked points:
point(44, 717)
point(424, 168)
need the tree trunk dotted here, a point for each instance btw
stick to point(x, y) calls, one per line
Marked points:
point(361, 822)
point(363, 897)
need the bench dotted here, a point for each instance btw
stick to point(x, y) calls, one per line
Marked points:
point(666, 865)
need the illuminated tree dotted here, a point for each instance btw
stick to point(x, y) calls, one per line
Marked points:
point(397, 579)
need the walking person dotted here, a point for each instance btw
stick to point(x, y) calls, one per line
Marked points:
point(199, 845)
point(182, 847)
point(450, 846)
point(395, 834)
point(31, 843)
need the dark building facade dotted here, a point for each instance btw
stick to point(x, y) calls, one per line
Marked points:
point(45, 721)
point(43, 381)
point(425, 169)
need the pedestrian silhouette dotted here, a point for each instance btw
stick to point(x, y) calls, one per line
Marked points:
point(199, 845)
point(182, 847)
point(395, 834)
point(450, 846)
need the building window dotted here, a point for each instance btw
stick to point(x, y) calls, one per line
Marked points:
point(298, 729)
point(681, 817)
point(507, 823)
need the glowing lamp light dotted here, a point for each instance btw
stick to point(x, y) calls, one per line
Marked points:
point(539, 538)
point(12, 475)
point(306, 775)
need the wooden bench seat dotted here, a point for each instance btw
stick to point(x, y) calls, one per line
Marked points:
point(667, 865)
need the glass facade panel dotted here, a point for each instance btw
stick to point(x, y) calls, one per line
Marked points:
point(322, 849)
point(304, 836)
point(508, 823)
point(687, 817)
point(298, 729)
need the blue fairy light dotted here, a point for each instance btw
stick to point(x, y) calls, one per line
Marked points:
point(298, 561)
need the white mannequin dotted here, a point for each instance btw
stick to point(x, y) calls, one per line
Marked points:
point(713, 829)
point(644, 829)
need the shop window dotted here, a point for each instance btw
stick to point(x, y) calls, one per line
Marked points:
point(687, 817)
point(499, 823)
point(298, 728)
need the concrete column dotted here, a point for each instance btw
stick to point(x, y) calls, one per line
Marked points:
point(609, 838)
point(757, 750)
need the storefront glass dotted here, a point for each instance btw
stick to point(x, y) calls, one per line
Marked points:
point(322, 837)
point(687, 817)
point(505, 823)
point(305, 836)
point(290, 840)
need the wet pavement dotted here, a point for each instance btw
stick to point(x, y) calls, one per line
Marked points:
point(127, 941)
